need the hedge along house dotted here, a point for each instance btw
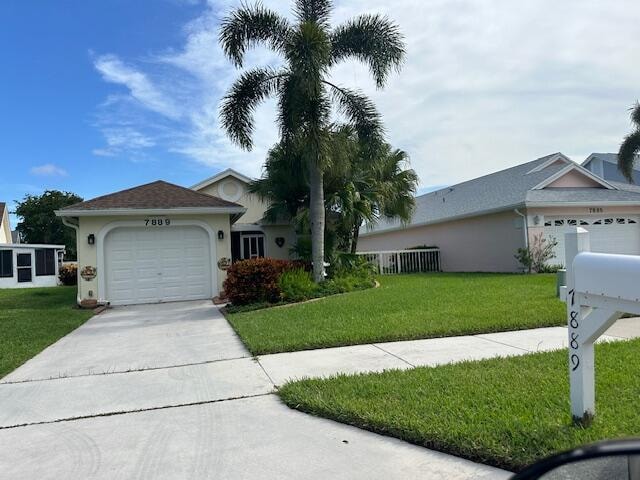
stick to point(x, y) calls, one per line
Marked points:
point(251, 236)
point(479, 224)
point(157, 242)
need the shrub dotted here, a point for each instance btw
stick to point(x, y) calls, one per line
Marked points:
point(349, 264)
point(256, 280)
point(551, 268)
point(297, 285)
point(68, 274)
point(536, 256)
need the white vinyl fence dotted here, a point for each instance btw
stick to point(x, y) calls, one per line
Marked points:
point(404, 261)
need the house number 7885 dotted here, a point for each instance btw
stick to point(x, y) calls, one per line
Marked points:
point(157, 222)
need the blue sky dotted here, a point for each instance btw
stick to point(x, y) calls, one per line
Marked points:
point(102, 95)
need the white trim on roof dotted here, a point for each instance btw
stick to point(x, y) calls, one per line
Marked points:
point(148, 211)
point(31, 245)
point(580, 169)
point(229, 172)
point(551, 161)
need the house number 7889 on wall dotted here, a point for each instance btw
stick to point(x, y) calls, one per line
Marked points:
point(157, 222)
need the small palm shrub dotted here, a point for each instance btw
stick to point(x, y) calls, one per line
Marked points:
point(68, 274)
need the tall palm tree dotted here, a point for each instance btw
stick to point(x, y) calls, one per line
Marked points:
point(630, 148)
point(310, 48)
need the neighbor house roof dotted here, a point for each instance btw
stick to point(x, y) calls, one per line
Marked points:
point(229, 172)
point(514, 187)
point(3, 206)
point(158, 195)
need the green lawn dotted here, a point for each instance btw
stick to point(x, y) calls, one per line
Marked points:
point(32, 319)
point(406, 307)
point(504, 412)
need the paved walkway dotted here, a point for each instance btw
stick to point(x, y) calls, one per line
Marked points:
point(168, 391)
point(376, 357)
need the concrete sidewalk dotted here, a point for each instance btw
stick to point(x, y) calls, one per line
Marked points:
point(377, 357)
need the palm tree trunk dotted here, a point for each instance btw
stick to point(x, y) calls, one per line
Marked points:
point(354, 237)
point(316, 211)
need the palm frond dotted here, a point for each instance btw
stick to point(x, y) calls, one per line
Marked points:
point(238, 106)
point(628, 154)
point(249, 25)
point(635, 114)
point(372, 39)
point(316, 11)
point(360, 111)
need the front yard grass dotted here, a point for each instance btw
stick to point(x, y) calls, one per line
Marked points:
point(31, 319)
point(406, 307)
point(503, 412)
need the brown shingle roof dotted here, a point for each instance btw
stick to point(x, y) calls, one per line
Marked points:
point(154, 195)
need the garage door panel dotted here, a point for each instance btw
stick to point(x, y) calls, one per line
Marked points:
point(157, 265)
point(616, 234)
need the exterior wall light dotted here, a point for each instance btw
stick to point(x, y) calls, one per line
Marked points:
point(220, 235)
point(91, 239)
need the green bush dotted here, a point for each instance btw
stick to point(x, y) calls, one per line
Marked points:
point(552, 268)
point(68, 274)
point(297, 285)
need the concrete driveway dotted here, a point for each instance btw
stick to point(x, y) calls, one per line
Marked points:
point(168, 391)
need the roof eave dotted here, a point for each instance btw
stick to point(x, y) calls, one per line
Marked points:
point(445, 220)
point(219, 176)
point(149, 211)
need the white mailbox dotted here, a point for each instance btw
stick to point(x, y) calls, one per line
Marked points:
point(600, 288)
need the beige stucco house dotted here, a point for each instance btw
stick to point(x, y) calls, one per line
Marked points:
point(162, 242)
point(479, 224)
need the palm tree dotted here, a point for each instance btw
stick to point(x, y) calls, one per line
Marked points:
point(310, 48)
point(376, 184)
point(363, 185)
point(630, 147)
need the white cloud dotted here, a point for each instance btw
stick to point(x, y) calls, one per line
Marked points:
point(140, 87)
point(49, 169)
point(486, 85)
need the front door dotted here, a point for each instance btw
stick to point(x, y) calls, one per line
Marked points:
point(251, 246)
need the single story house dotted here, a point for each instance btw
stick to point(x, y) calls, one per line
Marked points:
point(26, 265)
point(479, 224)
point(161, 242)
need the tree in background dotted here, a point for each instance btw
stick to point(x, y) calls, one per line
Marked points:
point(365, 184)
point(39, 224)
point(309, 48)
point(630, 148)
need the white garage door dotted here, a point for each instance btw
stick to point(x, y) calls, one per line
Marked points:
point(151, 265)
point(615, 234)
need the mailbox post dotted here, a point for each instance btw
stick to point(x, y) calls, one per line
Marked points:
point(600, 288)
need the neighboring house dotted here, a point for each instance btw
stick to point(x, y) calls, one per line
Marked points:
point(28, 265)
point(15, 236)
point(251, 235)
point(25, 265)
point(5, 227)
point(161, 242)
point(605, 165)
point(479, 224)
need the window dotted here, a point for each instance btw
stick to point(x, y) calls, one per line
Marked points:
point(45, 261)
point(547, 223)
point(558, 223)
point(631, 220)
point(6, 263)
point(24, 267)
point(252, 246)
point(584, 222)
point(597, 222)
point(572, 222)
point(621, 221)
point(608, 221)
